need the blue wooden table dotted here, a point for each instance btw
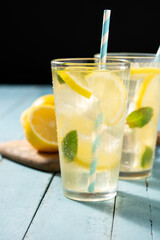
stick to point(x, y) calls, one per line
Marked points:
point(32, 206)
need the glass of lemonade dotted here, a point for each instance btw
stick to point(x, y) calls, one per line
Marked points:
point(90, 104)
point(140, 132)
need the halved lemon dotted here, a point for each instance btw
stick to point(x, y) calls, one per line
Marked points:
point(111, 92)
point(47, 99)
point(23, 117)
point(76, 82)
point(40, 128)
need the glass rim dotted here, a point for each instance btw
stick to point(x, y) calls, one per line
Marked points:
point(130, 55)
point(79, 62)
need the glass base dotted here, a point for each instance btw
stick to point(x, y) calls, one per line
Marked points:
point(89, 197)
point(134, 175)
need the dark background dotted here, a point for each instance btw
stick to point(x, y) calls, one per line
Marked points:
point(35, 32)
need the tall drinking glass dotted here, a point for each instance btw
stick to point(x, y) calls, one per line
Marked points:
point(143, 112)
point(90, 104)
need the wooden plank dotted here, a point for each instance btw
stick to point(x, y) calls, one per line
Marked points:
point(137, 208)
point(61, 218)
point(132, 212)
point(21, 188)
point(153, 191)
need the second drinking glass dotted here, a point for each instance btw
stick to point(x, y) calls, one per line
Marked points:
point(140, 131)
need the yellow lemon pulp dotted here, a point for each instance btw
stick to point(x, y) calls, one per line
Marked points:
point(40, 128)
point(47, 99)
point(112, 94)
point(72, 79)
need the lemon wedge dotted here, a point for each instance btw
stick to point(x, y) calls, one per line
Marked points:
point(112, 94)
point(40, 128)
point(72, 79)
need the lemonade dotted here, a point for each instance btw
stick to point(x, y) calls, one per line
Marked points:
point(139, 142)
point(140, 132)
point(87, 96)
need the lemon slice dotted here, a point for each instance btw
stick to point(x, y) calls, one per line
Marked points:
point(40, 128)
point(105, 161)
point(112, 95)
point(149, 91)
point(147, 85)
point(75, 82)
point(145, 70)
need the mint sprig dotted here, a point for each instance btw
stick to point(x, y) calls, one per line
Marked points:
point(139, 118)
point(70, 145)
point(147, 157)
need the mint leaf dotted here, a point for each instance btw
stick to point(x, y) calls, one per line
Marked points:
point(139, 118)
point(70, 145)
point(60, 80)
point(147, 157)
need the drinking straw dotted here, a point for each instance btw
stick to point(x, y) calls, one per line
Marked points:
point(105, 35)
point(158, 54)
point(99, 119)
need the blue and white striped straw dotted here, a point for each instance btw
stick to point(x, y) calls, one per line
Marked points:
point(96, 139)
point(97, 128)
point(105, 35)
point(158, 54)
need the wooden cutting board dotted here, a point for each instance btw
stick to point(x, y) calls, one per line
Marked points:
point(22, 152)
